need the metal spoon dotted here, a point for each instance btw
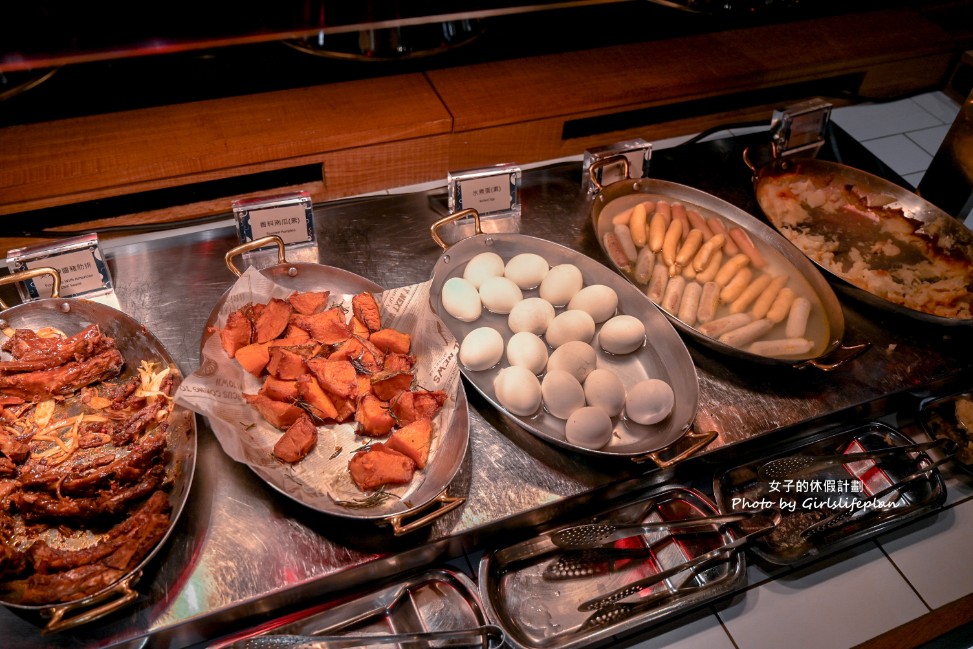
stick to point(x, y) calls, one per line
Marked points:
point(594, 534)
point(794, 465)
point(487, 637)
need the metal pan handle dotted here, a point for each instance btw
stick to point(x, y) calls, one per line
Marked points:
point(449, 503)
point(256, 244)
point(13, 278)
point(852, 351)
point(598, 165)
point(700, 441)
point(462, 214)
point(123, 589)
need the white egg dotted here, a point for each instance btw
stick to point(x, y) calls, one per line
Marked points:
point(577, 357)
point(527, 349)
point(570, 325)
point(481, 349)
point(518, 390)
point(561, 284)
point(649, 401)
point(562, 393)
point(527, 270)
point(483, 266)
point(461, 299)
point(499, 294)
point(622, 334)
point(598, 301)
point(588, 427)
point(603, 389)
point(531, 314)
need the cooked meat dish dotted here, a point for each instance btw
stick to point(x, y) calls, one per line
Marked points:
point(83, 464)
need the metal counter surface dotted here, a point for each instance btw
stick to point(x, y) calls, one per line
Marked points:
point(242, 551)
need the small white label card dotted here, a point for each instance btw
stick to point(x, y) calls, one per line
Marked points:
point(638, 152)
point(493, 191)
point(288, 216)
point(79, 260)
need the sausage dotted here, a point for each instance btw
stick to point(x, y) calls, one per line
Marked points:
point(736, 286)
point(713, 267)
point(727, 323)
point(689, 306)
point(657, 230)
point(679, 214)
point(689, 272)
point(638, 225)
point(643, 265)
point(781, 347)
point(750, 293)
point(766, 299)
point(672, 297)
point(657, 283)
point(709, 301)
point(781, 306)
point(625, 239)
point(706, 251)
point(689, 248)
point(730, 267)
point(697, 221)
point(797, 318)
point(623, 217)
point(717, 226)
point(742, 239)
point(671, 242)
point(616, 253)
point(743, 336)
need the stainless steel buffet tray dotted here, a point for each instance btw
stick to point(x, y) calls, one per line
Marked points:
point(242, 550)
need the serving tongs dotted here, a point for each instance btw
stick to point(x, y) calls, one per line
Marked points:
point(722, 553)
point(487, 636)
point(895, 490)
point(592, 535)
point(796, 465)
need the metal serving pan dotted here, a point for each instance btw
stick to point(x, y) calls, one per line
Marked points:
point(811, 497)
point(430, 607)
point(826, 324)
point(664, 357)
point(428, 490)
point(882, 228)
point(136, 344)
point(537, 609)
point(941, 418)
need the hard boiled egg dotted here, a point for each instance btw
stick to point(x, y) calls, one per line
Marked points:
point(588, 427)
point(576, 357)
point(483, 266)
point(622, 334)
point(561, 284)
point(499, 294)
point(481, 349)
point(649, 401)
point(570, 325)
point(518, 390)
point(527, 270)
point(562, 393)
point(527, 349)
point(531, 314)
point(597, 300)
point(461, 299)
point(603, 389)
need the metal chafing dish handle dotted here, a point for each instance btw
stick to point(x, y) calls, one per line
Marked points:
point(699, 441)
point(13, 278)
point(462, 214)
point(123, 589)
point(256, 244)
point(448, 503)
point(598, 165)
point(853, 352)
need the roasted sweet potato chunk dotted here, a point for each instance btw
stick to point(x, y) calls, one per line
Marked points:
point(253, 358)
point(354, 349)
point(391, 340)
point(278, 414)
point(386, 385)
point(378, 465)
point(285, 364)
point(413, 441)
point(280, 390)
point(297, 441)
point(407, 407)
point(236, 333)
point(358, 328)
point(365, 308)
point(326, 327)
point(374, 417)
point(396, 362)
point(309, 302)
point(272, 320)
point(316, 399)
point(335, 376)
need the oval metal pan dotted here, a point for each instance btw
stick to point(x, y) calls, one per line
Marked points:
point(664, 357)
point(913, 206)
point(135, 343)
point(452, 450)
point(827, 323)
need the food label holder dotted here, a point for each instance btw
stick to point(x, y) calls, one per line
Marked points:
point(799, 129)
point(81, 266)
point(637, 152)
point(493, 192)
point(288, 216)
